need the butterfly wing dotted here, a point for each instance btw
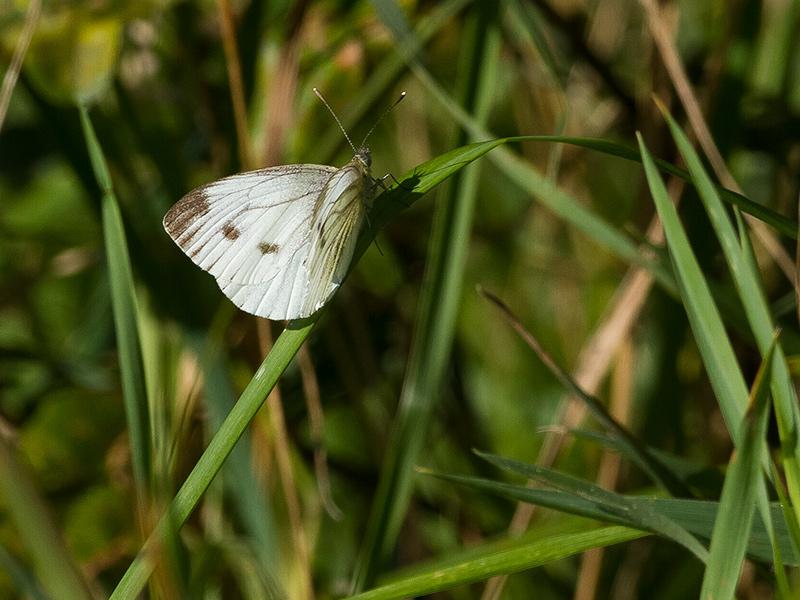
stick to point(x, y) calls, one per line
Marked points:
point(339, 214)
point(253, 233)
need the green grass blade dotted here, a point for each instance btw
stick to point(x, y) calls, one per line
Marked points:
point(56, 569)
point(23, 581)
point(549, 194)
point(638, 515)
point(439, 305)
point(245, 492)
point(725, 376)
point(685, 470)
point(785, 225)
point(126, 323)
point(739, 495)
point(628, 444)
point(210, 462)
point(748, 284)
point(483, 565)
point(695, 516)
point(712, 340)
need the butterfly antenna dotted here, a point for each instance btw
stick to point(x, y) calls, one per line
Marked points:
point(338, 122)
point(386, 112)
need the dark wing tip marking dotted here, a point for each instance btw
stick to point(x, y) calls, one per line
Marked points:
point(185, 212)
point(267, 248)
point(230, 231)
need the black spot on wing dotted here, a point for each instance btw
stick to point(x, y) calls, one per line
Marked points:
point(267, 248)
point(185, 212)
point(230, 231)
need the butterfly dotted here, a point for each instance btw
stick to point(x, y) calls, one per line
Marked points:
point(279, 241)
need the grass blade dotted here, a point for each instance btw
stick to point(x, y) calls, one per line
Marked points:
point(748, 285)
point(784, 225)
point(695, 516)
point(739, 495)
point(56, 569)
point(126, 320)
point(625, 440)
point(638, 515)
point(712, 340)
point(549, 194)
point(723, 371)
point(503, 561)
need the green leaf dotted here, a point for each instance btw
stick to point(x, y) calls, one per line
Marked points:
point(739, 495)
point(628, 444)
point(785, 225)
point(126, 320)
point(694, 516)
point(709, 332)
point(524, 172)
point(738, 255)
point(638, 515)
point(55, 567)
point(491, 560)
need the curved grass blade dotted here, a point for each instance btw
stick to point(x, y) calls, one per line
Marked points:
point(126, 320)
point(695, 516)
point(739, 494)
point(698, 477)
point(781, 223)
point(491, 561)
point(639, 515)
point(625, 440)
point(550, 195)
point(785, 225)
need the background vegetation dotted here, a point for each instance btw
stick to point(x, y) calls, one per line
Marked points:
point(119, 359)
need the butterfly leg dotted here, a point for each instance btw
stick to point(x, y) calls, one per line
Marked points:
point(398, 183)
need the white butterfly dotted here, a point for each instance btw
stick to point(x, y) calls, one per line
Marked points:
point(279, 240)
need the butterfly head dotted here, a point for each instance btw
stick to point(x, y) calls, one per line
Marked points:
point(364, 156)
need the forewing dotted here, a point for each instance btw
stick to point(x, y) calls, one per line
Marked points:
point(252, 232)
point(339, 214)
